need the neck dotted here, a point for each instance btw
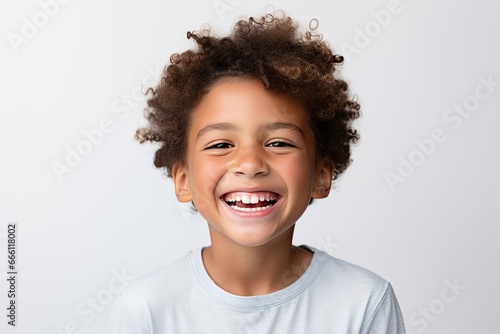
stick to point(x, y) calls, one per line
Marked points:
point(250, 271)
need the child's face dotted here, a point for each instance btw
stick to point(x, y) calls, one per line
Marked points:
point(246, 144)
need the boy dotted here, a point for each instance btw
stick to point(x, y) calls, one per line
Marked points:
point(253, 126)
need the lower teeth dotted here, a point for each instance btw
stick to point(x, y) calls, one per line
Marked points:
point(260, 208)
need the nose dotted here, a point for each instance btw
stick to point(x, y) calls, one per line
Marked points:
point(250, 161)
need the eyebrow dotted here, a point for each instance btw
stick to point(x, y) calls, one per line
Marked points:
point(216, 126)
point(231, 127)
point(283, 125)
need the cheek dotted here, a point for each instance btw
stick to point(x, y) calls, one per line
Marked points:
point(206, 177)
point(297, 169)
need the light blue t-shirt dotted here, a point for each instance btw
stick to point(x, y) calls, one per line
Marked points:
point(332, 296)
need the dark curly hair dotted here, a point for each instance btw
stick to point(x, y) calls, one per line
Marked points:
point(272, 50)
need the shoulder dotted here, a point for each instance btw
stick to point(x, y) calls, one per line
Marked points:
point(347, 280)
point(338, 269)
point(357, 292)
point(148, 297)
point(170, 278)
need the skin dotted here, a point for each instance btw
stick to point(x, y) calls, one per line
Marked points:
point(244, 140)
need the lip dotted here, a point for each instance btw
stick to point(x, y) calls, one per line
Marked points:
point(251, 214)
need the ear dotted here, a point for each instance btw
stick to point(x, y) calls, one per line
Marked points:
point(181, 183)
point(323, 179)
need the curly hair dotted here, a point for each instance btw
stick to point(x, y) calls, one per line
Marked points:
point(272, 50)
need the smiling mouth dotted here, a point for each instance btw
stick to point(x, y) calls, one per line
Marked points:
point(250, 202)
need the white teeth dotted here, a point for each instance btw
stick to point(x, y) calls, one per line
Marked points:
point(250, 209)
point(251, 198)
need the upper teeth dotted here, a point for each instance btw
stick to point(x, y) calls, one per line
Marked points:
point(250, 199)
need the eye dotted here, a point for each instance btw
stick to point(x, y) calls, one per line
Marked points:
point(280, 144)
point(219, 146)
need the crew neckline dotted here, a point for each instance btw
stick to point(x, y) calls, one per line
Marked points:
point(260, 301)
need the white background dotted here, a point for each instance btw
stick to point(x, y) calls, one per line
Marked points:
point(115, 215)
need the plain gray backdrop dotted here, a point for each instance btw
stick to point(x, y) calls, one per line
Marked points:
point(418, 205)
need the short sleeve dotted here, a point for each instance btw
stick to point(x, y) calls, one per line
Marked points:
point(387, 318)
point(122, 321)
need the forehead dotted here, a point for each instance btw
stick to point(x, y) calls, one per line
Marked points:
point(237, 98)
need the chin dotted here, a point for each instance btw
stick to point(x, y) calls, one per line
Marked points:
point(255, 239)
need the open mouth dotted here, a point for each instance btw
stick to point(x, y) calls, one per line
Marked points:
point(250, 202)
